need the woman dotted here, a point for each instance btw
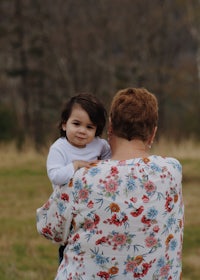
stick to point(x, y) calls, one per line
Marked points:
point(123, 217)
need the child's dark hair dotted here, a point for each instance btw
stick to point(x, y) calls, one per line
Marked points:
point(95, 109)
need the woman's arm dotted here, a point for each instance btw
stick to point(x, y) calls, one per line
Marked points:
point(53, 219)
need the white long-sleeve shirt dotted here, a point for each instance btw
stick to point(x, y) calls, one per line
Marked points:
point(60, 168)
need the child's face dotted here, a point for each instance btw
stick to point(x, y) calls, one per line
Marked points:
point(79, 128)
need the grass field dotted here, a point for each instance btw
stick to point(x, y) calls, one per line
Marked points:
point(24, 186)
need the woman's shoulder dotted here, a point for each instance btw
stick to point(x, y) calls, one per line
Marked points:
point(165, 158)
point(166, 161)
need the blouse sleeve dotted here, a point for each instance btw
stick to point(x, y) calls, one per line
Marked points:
point(53, 219)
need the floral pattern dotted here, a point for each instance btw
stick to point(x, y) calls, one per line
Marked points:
point(119, 220)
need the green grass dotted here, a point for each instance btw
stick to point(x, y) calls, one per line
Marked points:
point(23, 253)
point(24, 186)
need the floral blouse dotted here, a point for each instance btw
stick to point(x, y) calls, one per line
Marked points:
point(119, 220)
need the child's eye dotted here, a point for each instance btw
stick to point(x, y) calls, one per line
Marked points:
point(90, 127)
point(76, 123)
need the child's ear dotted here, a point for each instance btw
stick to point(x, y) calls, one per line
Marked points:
point(64, 126)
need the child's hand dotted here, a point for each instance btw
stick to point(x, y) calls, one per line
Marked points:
point(81, 163)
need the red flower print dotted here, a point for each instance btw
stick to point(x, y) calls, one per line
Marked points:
point(133, 263)
point(57, 239)
point(156, 228)
point(130, 266)
point(137, 211)
point(119, 239)
point(89, 224)
point(145, 198)
point(145, 269)
point(168, 204)
point(146, 221)
point(90, 204)
point(104, 275)
point(83, 194)
point(116, 221)
point(133, 199)
point(65, 197)
point(96, 219)
point(76, 237)
point(46, 231)
point(101, 240)
point(164, 270)
point(149, 187)
point(151, 241)
point(111, 186)
point(114, 170)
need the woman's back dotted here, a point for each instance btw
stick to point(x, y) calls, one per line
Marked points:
point(128, 225)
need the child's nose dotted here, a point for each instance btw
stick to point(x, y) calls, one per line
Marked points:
point(82, 129)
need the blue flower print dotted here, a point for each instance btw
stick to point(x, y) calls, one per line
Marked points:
point(131, 186)
point(155, 167)
point(173, 244)
point(175, 164)
point(161, 262)
point(93, 171)
point(100, 259)
point(61, 208)
point(170, 222)
point(152, 213)
point(77, 248)
point(78, 184)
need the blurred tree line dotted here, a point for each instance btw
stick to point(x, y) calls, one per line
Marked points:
point(50, 50)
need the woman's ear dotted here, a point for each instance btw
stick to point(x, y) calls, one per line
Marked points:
point(153, 134)
point(151, 139)
point(109, 130)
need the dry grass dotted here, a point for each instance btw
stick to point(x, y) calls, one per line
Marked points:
point(10, 156)
point(187, 149)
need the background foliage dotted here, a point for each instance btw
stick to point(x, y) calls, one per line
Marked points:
point(51, 50)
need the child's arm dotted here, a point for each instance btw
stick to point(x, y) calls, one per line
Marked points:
point(60, 175)
point(59, 170)
point(54, 218)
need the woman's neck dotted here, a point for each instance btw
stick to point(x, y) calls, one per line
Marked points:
point(123, 149)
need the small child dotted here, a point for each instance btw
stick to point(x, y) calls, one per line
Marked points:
point(82, 122)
